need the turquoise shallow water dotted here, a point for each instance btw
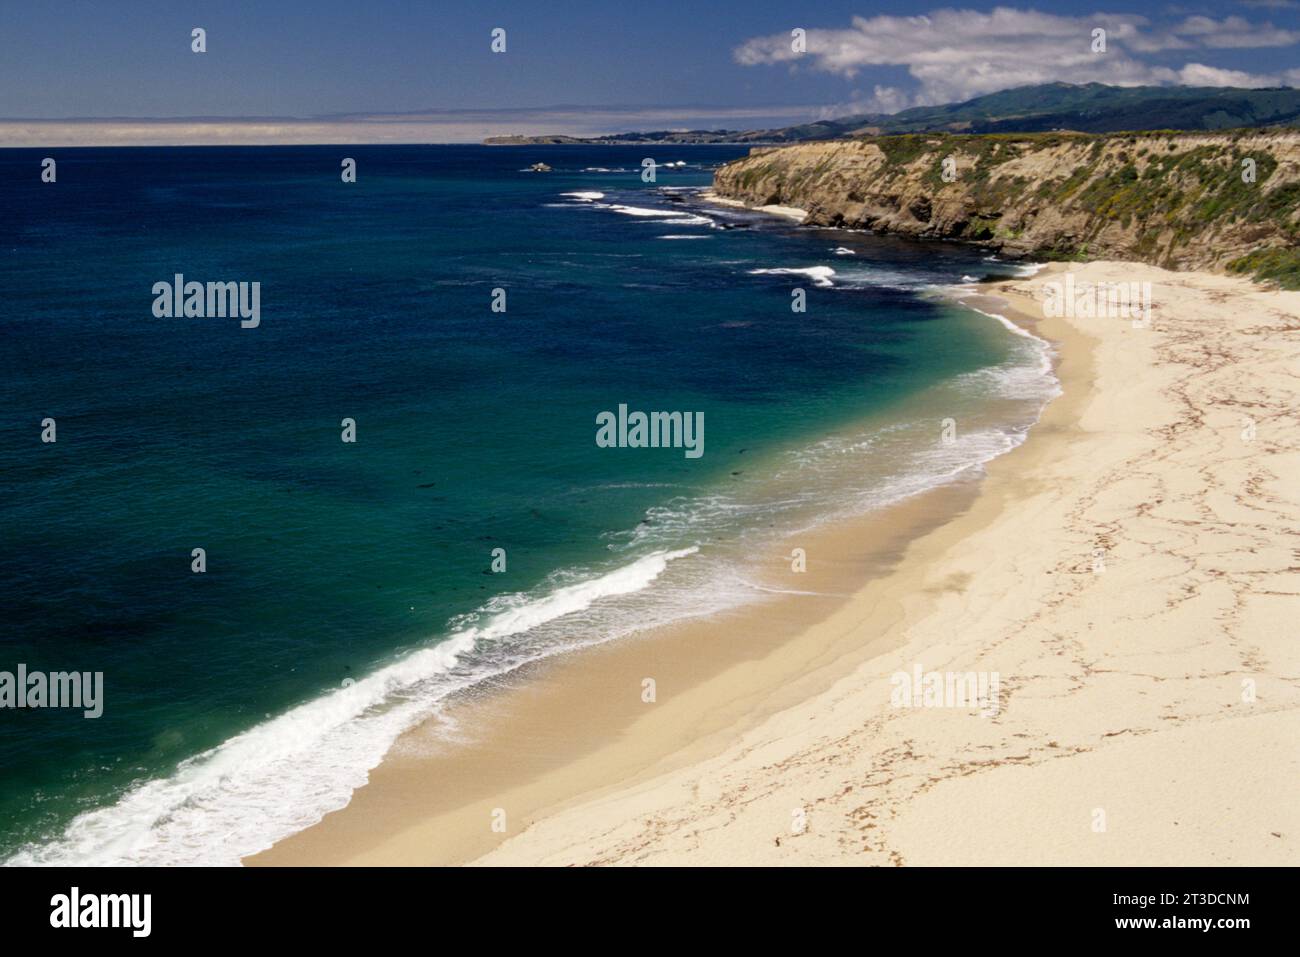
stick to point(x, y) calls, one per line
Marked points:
point(349, 586)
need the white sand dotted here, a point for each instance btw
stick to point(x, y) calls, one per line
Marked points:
point(1131, 573)
point(1124, 691)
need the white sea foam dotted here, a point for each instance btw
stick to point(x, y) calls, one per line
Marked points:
point(285, 774)
point(687, 221)
point(1020, 270)
point(1031, 379)
point(843, 251)
point(868, 277)
point(820, 275)
point(586, 196)
point(669, 217)
point(682, 237)
point(781, 591)
point(1011, 381)
point(1008, 324)
point(833, 479)
point(639, 211)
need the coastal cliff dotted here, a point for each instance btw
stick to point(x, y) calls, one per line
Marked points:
point(1176, 200)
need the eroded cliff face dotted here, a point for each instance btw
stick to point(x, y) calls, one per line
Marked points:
point(1178, 200)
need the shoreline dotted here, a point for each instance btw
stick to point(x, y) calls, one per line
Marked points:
point(554, 729)
point(839, 568)
point(785, 212)
point(1112, 704)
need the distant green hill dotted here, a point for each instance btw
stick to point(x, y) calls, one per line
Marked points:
point(1097, 108)
point(1088, 108)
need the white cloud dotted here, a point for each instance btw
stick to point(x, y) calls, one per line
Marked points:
point(1235, 32)
point(883, 99)
point(958, 54)
point(1198, 74)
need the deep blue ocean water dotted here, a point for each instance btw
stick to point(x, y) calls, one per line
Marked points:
point(349, 586)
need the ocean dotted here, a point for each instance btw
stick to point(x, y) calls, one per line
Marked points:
point(471, 320)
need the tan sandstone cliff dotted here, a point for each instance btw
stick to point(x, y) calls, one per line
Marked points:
point(1221, 201)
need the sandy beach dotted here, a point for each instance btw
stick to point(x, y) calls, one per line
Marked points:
point(1130, 575)
point(787, 212)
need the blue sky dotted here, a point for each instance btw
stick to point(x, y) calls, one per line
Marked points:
point(699, 62)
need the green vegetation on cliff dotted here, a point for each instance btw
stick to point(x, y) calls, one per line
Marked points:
point(1226, 201)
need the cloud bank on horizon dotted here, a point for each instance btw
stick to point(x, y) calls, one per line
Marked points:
point(956, 54)
point(430, 126)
